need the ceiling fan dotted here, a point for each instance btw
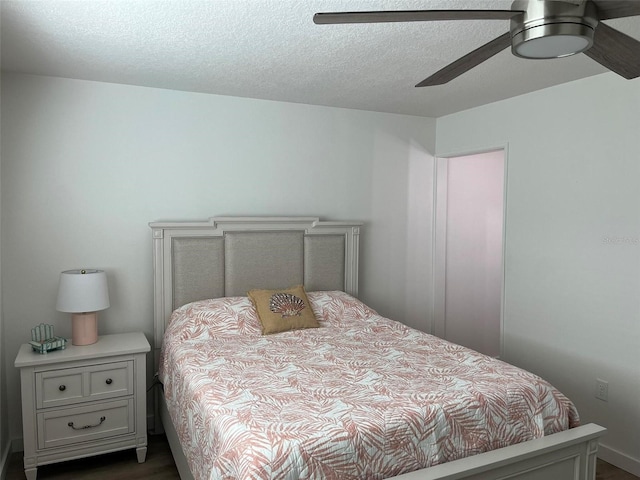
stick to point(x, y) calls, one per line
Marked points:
point(539, 29)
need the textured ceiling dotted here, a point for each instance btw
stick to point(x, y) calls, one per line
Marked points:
point(271, 49)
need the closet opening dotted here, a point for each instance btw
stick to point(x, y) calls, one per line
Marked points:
point(469, 250)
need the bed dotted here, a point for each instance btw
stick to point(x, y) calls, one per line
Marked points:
point(240, 404)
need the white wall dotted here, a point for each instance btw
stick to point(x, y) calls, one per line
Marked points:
point(4, 430)
point(572, 311)
point(86, 166)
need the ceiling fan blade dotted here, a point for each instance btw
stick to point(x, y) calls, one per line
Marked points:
point(412, 16)
point(467, 62)
point(616, 51)
point(617, 8)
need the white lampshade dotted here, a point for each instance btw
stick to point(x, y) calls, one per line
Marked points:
point(81, 291)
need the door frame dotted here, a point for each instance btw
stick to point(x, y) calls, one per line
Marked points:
point(440, 175)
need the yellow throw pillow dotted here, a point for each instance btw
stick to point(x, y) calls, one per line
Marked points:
point(283, 310)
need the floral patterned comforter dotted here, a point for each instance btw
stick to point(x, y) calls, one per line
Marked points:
point(360, 397)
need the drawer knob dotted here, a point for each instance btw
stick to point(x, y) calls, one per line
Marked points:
point(62, 388)
point(102, 419)
point(109, 381)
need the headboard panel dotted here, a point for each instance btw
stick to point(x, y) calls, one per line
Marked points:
point(324, 262)
point(255, 259)
point(227, 256)
point(198, 269)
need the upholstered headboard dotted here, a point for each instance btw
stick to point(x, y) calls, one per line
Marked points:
point(227, 256)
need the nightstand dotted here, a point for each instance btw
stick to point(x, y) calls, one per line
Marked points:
point(83, 400)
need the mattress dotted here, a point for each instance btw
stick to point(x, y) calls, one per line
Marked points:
point(361, 397)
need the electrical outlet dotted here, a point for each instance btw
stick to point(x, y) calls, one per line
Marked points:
point(602, 390)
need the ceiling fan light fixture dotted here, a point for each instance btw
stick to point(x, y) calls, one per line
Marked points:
point(538, 29)
point(552, 40)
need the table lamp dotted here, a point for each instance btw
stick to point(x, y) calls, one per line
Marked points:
point(83, 293)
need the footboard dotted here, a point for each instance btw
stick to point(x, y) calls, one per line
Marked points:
point(569, 455)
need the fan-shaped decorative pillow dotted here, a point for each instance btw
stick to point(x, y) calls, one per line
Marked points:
point(283, 310)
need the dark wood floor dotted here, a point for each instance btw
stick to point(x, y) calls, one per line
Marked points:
point(605, 471)
point(160, 466)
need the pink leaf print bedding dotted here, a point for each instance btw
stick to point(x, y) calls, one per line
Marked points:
point(362, 397)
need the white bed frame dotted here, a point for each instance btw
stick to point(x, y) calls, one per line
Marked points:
point(568, 455)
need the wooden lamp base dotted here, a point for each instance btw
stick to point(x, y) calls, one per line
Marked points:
point(84, 328)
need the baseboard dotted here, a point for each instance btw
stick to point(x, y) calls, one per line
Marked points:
point(17, 445)
point(619, 459)
point(4, 461)
point(151, 422)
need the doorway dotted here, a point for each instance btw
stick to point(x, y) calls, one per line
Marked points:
point(469, 250)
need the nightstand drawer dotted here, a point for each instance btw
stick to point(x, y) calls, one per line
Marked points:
point(55, 388)
point(111, 380)
point(85, 424)
point(59, 387)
